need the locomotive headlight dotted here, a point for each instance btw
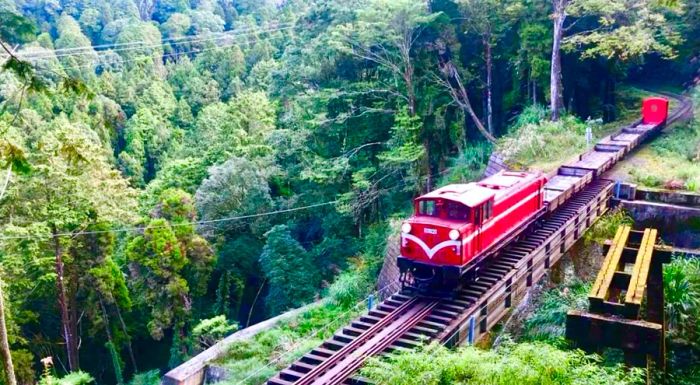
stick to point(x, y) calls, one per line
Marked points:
point(454, 235)
point(406, 228)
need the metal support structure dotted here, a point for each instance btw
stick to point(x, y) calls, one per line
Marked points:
point(631, 272)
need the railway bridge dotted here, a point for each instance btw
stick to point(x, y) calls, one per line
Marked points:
point(577, 194)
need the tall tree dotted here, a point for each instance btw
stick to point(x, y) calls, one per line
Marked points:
point(170, 265)
point(71, 186)
point(386, 33)
point(289, 269)
point(234, 188)
point(556, 90)
point(489, 19)
point(614, 29)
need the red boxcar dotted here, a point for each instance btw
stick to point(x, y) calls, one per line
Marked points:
point(457, 225)
point(654, 110)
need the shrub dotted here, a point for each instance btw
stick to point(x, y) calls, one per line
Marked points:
point(469, 165)
point(548, 321)
point(73, 378)
point(151, 377)
point(606, 227)
point(532, 114)
point(510, 363)
point(349, 288)
point(208, 331)
point(682, 297)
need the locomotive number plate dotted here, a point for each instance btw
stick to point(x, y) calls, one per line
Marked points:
point(430, 231)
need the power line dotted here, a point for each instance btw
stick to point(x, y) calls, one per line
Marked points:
point(138, 45)
point(179, 224)
point(167, 55)
point(203, 222)
point(104, 47)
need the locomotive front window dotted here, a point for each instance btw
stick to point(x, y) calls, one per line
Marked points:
point(457, 211)
point(428, 207)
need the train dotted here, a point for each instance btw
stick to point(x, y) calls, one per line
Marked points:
point(456, 228)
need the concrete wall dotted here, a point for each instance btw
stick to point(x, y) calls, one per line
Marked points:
point(671, 197)
point(653, 211)
point(676, 213)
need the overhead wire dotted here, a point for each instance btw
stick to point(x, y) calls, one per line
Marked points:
point(402, 183)
point(139, 45)
point(166, 55)
point(105, 47)
point(177, 224)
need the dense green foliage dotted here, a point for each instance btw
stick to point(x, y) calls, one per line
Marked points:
point(681, 291)
point(606, 227)
point(510, 363)
point(167, 162)
point(548, 322)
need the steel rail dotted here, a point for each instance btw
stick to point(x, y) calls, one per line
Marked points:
point(390, 318)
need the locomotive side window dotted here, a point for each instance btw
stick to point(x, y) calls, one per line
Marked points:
point(457, 211)
point(427, 207)
point(488, 210)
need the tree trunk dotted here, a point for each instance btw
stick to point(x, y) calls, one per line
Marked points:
point(408, 78)
point(556, 86)
point(4, 344)
point(68, 336)
point(489, 82)
point(534, 93)
point(428, 176)
point(128, 338)
point(609, 98)
point(119, 376)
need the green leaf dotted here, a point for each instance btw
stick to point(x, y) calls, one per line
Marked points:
point(15, 28)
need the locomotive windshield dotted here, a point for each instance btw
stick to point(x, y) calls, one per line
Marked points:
point(428, 207)
point(447, 209)
point(457, 211)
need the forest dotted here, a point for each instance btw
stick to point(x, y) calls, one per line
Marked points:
point(175, 170)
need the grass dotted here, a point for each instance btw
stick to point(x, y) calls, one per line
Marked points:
point(671, 161)
point(534, 142)
point(510, 363)
point(543, 144)
point(253, 361)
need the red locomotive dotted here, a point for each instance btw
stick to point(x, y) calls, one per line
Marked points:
point(456, 226)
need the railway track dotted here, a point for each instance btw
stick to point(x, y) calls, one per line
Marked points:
point(577, 196)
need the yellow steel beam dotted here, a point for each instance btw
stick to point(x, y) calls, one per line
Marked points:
point(610, 265)
point(640, 274)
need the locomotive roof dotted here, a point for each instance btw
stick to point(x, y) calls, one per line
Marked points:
point(475, 193)
point(468, 194)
